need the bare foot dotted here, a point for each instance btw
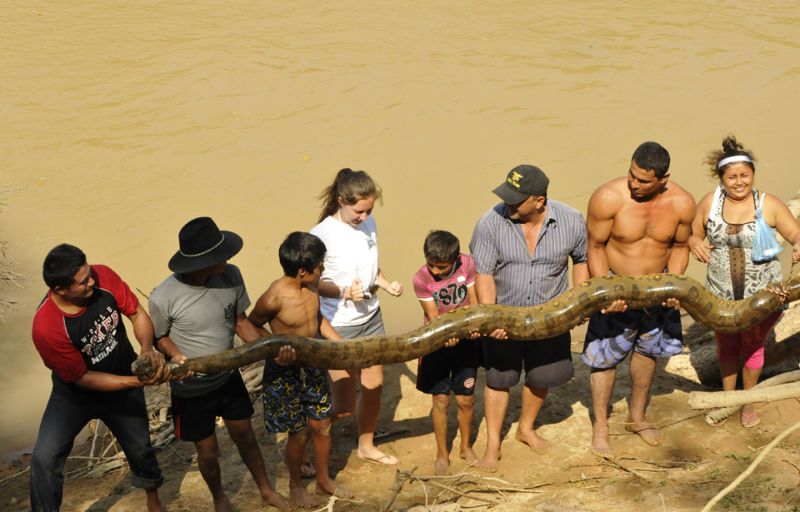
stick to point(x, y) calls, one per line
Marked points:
point(489, 463)
point(468, 455)
point(153, 502)
point(222, 504)
point(533, 440)
point(649, 434)
point(377, 457)
point(331, 487)
point(273, 499)
point(600, 444)
point(442, 466)
point(299, 497)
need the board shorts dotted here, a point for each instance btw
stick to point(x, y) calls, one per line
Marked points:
point(449, 369)
point(653, 332)
point(547, 363)
point(292, 395)
point(195, 417)
point(746, 347)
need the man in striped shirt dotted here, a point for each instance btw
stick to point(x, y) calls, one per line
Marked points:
point(522, 248)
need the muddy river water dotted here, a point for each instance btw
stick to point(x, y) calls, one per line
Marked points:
point(121, 121)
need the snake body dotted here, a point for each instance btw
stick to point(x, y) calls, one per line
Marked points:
point(554, 317)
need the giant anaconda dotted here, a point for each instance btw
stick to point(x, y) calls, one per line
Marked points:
point(530, 323)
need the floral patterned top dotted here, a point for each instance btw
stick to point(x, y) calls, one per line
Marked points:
point(732, 274)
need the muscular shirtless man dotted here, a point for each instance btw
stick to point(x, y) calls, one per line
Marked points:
point(637, 225)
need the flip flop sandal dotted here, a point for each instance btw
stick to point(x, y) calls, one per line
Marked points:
point(383, 460)
point(750, 419)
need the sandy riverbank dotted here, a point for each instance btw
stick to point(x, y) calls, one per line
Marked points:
point(682, 474)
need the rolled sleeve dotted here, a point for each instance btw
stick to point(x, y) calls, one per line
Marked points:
point(483, 248)
point(579, 252)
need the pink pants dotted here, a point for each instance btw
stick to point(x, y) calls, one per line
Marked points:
point(747, 346)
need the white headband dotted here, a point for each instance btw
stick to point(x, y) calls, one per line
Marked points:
point(733, 159)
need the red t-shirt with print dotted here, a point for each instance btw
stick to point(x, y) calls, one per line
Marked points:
point(93, 339)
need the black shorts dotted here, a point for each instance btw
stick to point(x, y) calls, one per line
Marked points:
point(195, 418)
point(547, 362)
point(449, 369)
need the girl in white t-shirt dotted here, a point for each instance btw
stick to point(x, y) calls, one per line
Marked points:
point(348, 297)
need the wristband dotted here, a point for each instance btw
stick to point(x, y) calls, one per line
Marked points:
point(344, 290)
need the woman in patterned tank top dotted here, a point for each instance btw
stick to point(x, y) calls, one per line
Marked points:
point(726, 218)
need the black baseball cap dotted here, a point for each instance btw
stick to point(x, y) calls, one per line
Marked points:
point(522, 181)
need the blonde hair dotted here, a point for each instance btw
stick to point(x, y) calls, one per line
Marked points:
point(352, 186)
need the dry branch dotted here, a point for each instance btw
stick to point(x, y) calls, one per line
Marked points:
point(459, 493)
point(7, 276)
point(714, 399)
point(615, 464)
point(15, 475)
point(332, 501)
point(750, 468)
point(400, 479)
point(253, 376)
point(716, 416)
point(461, 485)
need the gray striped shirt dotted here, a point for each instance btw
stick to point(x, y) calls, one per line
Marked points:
point(499, 249)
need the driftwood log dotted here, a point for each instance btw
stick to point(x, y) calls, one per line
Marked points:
point(712, 399)
point(554, 317)
point(717, 415)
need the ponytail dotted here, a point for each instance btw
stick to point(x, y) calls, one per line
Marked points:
point(352, 186)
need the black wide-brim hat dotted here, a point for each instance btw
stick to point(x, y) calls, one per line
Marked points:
point(202, 245)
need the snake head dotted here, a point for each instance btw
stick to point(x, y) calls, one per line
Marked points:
point(144, 371)
point(143, 368)
point(780, 290)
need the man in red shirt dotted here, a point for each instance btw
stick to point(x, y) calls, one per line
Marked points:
point(79, 333)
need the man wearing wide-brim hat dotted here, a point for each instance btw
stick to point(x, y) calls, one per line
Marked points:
point(196, 312)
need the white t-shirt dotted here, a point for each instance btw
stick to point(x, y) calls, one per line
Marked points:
point(352, 251)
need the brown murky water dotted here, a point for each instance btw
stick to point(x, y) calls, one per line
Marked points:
point(122, 121)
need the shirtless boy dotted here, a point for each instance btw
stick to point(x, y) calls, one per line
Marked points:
point(296, 398)
point(637, 225)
